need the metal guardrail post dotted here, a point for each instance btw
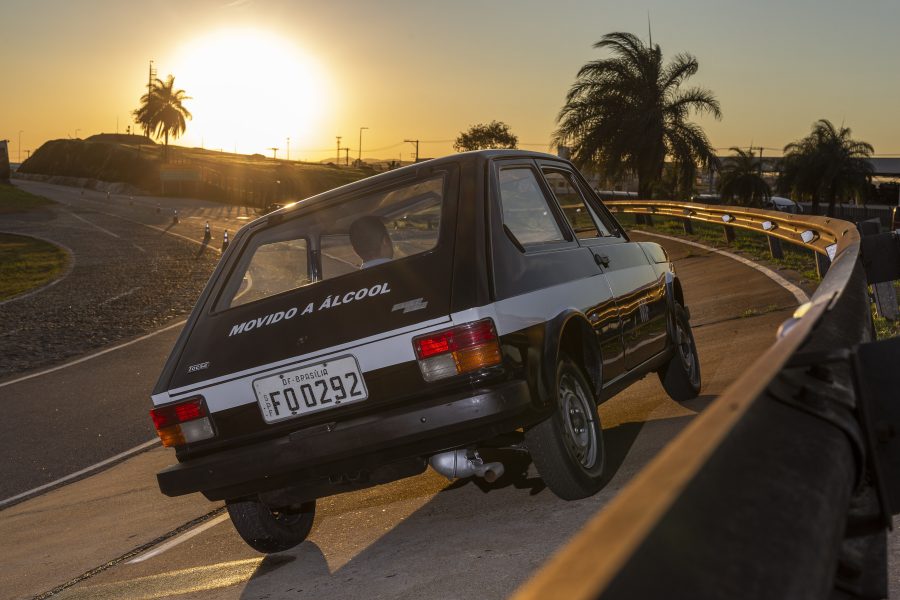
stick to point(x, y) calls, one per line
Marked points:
point(729, 234)
point(775, 248)
point(688, 226)
point(822, 264)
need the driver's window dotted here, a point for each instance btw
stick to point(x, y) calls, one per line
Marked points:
point(583, 219)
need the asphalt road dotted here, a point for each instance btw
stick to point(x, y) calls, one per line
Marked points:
point(416, 538)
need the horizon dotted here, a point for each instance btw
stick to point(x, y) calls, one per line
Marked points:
point(280, 74)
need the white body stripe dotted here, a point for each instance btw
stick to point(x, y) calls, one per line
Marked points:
point(395, 347)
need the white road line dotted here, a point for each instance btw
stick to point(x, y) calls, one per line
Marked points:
point(178, 539)
point(84, 471)
point(122, 295)
point(90, 356)
point(106, 231)
point(799, 294)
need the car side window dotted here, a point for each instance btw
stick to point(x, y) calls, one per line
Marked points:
point(526, 212)
point(581, 216)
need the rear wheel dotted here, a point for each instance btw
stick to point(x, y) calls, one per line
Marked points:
point(267, 529)
point(567, 447)
point(681, 376)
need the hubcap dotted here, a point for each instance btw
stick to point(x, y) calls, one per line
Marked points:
point(579, 418)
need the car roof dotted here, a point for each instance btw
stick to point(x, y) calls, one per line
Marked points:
point(407, 172)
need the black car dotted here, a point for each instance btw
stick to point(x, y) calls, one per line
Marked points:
point(430, 315)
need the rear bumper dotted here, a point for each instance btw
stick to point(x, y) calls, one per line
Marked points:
point(361, 444)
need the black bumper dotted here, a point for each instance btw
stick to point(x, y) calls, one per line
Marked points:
point(360, 444)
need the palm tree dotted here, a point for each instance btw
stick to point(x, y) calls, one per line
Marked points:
point(162, 111)
point(740, 180)
point(826, 165)
point(628, 113)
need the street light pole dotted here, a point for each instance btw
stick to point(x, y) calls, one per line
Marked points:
point(20, 145)
point(289, 148)
point(359, 157)
point(338, 150)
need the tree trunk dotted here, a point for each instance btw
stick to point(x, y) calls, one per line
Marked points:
point(166, 149)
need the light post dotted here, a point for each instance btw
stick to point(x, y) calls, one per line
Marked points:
point(20, 145)
point(289, 148)
point(76, 132)
point(359, 157)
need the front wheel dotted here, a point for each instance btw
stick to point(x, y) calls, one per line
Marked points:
point(567, 447)
point(681, 375)
point(268, 530)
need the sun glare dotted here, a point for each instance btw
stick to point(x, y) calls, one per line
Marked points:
point(250, 90)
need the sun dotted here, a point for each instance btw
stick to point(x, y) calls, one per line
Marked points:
point(250, 91)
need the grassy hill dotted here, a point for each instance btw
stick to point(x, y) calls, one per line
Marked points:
point(232, 178)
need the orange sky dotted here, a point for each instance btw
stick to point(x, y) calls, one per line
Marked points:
point(262, 71)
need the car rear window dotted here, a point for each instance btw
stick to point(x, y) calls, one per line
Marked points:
point(337, 239)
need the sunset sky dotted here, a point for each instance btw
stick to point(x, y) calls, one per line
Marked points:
point(262, 71)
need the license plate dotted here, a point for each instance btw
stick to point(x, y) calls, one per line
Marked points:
point(309, 389)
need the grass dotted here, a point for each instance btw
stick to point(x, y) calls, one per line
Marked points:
point(884, 328)
point(12, 199)
point(754, 245)
point(27, 263)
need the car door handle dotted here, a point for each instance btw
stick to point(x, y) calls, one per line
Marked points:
point(602, 260)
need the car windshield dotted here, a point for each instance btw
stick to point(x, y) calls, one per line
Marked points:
point(331, 239)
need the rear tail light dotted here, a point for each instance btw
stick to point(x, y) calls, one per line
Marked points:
point(458, 350)
point(182, 423)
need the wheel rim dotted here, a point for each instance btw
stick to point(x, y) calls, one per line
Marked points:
point(579, 421)
point(687, 352)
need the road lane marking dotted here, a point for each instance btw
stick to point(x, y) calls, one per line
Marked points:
point(94, 225)
point(799, 294)
point(122, 295)
point(179, 539)
point(131, 554)
point(91, 356)
point(120, 456)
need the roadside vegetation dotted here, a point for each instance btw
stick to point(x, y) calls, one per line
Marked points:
point(628, 114)
point(752, 244)
point(495, 134)
point(12, 199)
point(740, 182)
point(826, 165)
point(27, 263)
point(162, 111)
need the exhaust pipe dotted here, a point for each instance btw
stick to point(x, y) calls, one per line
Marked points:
point(459, 463)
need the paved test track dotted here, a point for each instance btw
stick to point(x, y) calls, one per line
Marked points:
point(71, 418)
point(415, 538)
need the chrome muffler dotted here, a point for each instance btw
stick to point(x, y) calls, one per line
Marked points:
point(465, 463)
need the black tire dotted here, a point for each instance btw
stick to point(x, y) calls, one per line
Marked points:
point(567, 447)
point(681, 376)
point(267, 530)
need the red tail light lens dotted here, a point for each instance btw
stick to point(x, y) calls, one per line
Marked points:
point(175, 414)
point(458, 338)
point(181, 423)
point(458, 350)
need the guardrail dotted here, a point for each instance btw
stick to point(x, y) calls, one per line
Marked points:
point(784, 486)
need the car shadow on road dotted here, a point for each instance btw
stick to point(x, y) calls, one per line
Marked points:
point(471, 539)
